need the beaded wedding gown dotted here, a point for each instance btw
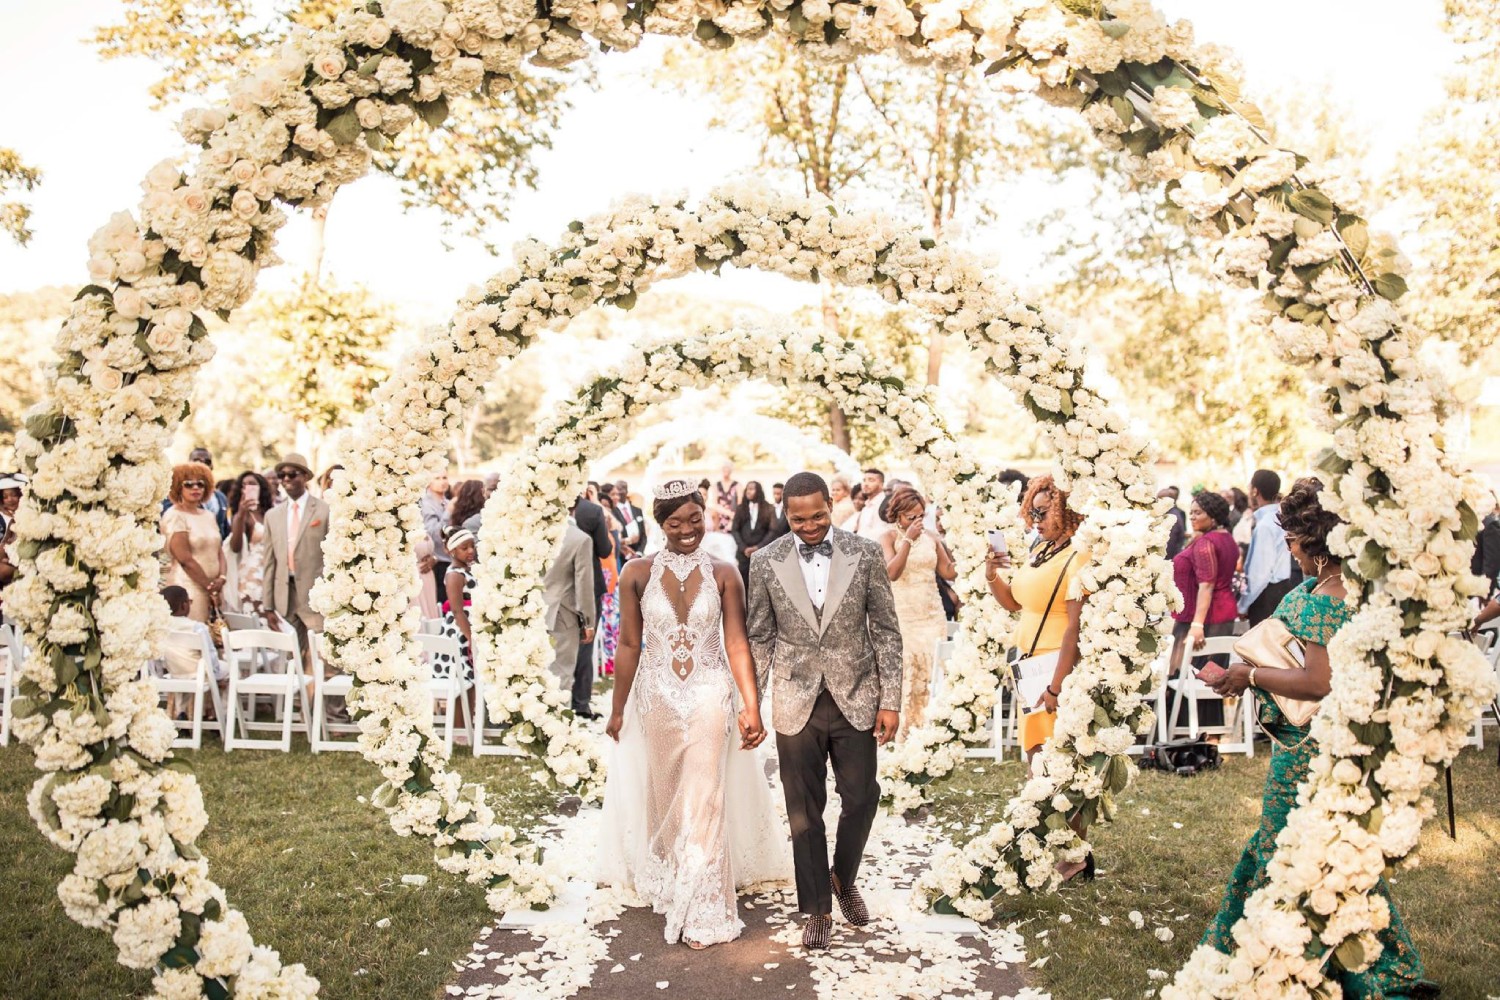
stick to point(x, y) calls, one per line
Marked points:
point(688, 815)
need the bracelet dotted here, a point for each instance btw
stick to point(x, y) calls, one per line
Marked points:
point(1055, 694)
point(1252, 675)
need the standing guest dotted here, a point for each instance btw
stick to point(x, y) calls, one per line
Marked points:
point(325, 481)
point(215, 502)
point(463, 552)
point(1016, 478)
point(871, 524)
point(843, 506)
point(295, 531)
point(7, 568)
point(435, 520)
point(914, 556)
point(592, 521)
point(1313, 612)
point(195, 557)
point(426, 597)
point(609, 609)
point(245, 551)
point(1269, 572)
point(491, 483)
point(777, 491)
point(754, 524)
point(857, 498)
point(1486, 562)
point(635, 521)
point(1177, 536)
point(1239, 505)
point(568, 590)
point(1204, 574)
point(11, 485)
point(726, 492)
point(467, 507)
point(610, 501)
point(1042, 591)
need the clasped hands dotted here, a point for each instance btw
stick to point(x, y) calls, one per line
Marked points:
point(752, 730)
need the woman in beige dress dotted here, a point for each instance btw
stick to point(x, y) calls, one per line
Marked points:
point(194, 548)
point(914, 559)
point(245, 549)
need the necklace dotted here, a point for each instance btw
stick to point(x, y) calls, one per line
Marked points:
point(1324, 580)
point(1046, 553)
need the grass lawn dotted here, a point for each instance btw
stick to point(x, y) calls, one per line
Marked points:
point(1174, 877)
point(314, 869)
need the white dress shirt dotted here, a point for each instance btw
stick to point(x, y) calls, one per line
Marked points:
point(870, 523)
point(296, 520)
point(815, 575)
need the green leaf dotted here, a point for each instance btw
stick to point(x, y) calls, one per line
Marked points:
point(100, 290)
point(1123, 109)
point(1350, 954)
point(370, 65)
point(1355, 233)
point(1371, 564)
point(1312, 204)
point(1390, 286)
point(1468, 522)
point(434, 113)
point(1331, 462)
point(1115, 29)
point(345, 127)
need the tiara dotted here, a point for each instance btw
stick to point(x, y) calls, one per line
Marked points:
point(674, 489)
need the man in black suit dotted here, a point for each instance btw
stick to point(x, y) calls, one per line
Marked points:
point(635, 521)
point(589, 517)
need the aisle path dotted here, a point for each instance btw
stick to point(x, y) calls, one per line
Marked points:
point(603, 950)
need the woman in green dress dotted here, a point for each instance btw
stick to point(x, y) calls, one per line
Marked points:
point(1313, 612)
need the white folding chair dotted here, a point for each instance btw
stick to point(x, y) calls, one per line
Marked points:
point(1158, 698)
point(942, 653)
point(338, 686)
point(1488, 641)
point(240, 620)
point(484, 738)
point(1186, 687)
point(445, 682)
point(14, 654)
point(199, 646)
point(953, 629)
point(275, 664)
point(430, 626)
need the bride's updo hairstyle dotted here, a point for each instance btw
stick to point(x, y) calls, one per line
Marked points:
point(673, 495)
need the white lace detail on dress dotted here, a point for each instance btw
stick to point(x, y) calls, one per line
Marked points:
point(683, 699)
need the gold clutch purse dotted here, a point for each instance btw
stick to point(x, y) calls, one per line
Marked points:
point(1271, 644)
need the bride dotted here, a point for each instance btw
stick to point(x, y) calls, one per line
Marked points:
point(687, 810)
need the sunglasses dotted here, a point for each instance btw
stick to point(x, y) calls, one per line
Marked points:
point(194, 484)
point(290, 474)
point(1039, 513)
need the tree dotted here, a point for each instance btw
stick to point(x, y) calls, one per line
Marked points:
point(1454, 170)
point(326, 349)
point(466, 169)
point(28, 321)
point(15, 177)
point(934, 139)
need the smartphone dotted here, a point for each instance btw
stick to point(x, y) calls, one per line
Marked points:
point(997, 542)
point(251, 490)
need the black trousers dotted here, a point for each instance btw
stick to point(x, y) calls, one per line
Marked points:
point(1265, 605)
point(583, 667)
point(828, 736)
point(440, 576)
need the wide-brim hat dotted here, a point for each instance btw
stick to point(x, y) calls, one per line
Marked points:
point(12, 481)
point(296, 461)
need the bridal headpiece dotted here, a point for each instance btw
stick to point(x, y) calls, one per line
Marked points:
point(674, 489)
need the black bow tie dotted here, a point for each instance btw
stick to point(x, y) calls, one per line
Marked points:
point(823, 548)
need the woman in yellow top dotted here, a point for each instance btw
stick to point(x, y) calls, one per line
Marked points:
point(1049, 619)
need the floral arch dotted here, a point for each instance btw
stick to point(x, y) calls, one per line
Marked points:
point(298, 128)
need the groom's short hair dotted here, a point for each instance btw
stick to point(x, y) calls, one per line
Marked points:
point(805, 484)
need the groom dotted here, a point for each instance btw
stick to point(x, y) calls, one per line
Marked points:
point(822, 619)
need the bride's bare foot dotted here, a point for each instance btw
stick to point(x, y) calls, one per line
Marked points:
point(695, 945)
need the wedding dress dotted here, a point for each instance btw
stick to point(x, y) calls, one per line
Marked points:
point(687, 813)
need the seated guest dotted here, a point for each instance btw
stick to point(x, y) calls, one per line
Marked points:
point(181, 662)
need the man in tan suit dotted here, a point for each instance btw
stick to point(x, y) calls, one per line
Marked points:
point(295, 531)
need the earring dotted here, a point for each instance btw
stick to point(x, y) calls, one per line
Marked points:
point(1320, 562)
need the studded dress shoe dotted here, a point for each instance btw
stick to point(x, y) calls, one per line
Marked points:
point(851, 903)
point(817, 930)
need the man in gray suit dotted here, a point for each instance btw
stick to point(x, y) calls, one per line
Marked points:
point(568, 589)
point(295, 530)
point(822, 621)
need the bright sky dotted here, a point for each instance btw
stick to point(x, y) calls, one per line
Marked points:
point(88, 125)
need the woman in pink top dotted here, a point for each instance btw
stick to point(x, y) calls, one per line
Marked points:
point(1204, 572)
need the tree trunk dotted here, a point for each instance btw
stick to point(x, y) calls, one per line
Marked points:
point(838, 423)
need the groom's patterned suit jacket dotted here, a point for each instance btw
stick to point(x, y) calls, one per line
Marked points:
point(853, 648)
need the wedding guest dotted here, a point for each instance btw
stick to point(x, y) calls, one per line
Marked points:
point(491, 483)
point(568, 591)
point(609, 608)
point(1014, 478)
point(870, 523)
point(11, 485)
point(610, 501)
point(914, 558)
point(1313, 611)
point(777, 489)
point(1486, 561)
point(634, 518)
point(325, 481)
point(1239, 505)
point(183, 663)
point(754, 524)
point(467, 507)
point(295, 531)
point(592, 520)
point(1041, 589)
point(7, 568)
point(1204, 574)
point(195, 560)
point(1177, 536)
point(214, 501)
point(718, 541)
point(426, 597)
point(726, 492)
point(1269, 572)
point(463, 552)
point(435, 520)
point(245, 550)
point(843, 506)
